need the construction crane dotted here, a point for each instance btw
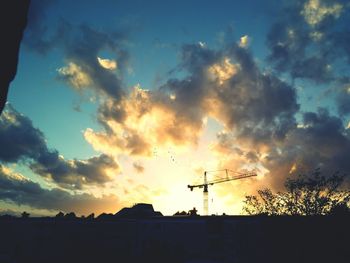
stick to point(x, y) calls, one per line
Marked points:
point(206, 183)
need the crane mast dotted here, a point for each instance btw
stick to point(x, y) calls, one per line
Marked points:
point(207, 183)
point(205, 195)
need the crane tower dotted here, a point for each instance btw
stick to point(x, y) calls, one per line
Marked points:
point(205, 185)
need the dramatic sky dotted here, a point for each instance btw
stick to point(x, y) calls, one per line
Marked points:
point(119, 102)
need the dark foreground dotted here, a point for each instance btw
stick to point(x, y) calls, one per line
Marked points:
point(176, 239)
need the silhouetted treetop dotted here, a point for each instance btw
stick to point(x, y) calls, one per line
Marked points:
point(312, 194)
point(25, 215)
point(60, 215)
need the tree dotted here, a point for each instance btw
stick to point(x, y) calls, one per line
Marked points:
point(90, 217)
point(25, 215)
point(70, 215)
point(59, 215)
point(311, 194)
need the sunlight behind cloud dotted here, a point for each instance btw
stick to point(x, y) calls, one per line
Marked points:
point(146, 123)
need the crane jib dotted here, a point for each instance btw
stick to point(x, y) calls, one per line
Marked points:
point(207, 183)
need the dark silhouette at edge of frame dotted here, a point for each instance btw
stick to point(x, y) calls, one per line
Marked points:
point(13, 20)
point(141, 234)
point(260, 238)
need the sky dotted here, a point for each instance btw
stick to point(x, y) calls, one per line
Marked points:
point(124, 102)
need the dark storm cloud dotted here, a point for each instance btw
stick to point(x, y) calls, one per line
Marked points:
point(250, 101)
point(188, 104)
point(258, 104)
point(306, 41)
point(111, 111)
point(310, 41)
point(321, 142)
point(74, 173)
point(15, 188)
point(20, 141)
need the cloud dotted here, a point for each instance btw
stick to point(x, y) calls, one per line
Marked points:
point(75, 76)
point(169, 116)
point(307, 42)
point(138, 167)
point(314, 11)
point(141, 121)
point(17, 189)
point(248, 101)
point(223, 84)
point(75, 173)
point(252, 103)
point(9, 212)
point(81, 46)
point(223, 71)
point(244, 41)
point(320, 141)
point(21, 141)
point(343, 99)
point(36, 36)
point(107, 63)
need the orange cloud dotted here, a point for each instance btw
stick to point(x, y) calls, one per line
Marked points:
point(144, 122)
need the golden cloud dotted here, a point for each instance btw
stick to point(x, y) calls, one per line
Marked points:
point(314, 11)
point(10, 174)
point(244, 41)
point(75, 75)
point(223, 71)
point(147, 122)
point(107, 63)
